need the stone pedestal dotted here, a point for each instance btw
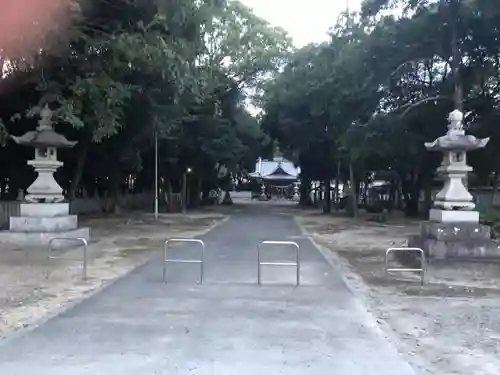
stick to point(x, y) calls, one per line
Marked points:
point(41, 221)
point(455, 241)
point(446, 216)
point(45, 188)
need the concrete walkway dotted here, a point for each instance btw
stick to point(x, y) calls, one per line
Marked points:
point(229, 325)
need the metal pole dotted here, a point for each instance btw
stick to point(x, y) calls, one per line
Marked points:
point(258, 265)
point(165, 247)
point(202, 265)
point(156, 175)
point(85, 258)
point(184, 193)
point(298, 266)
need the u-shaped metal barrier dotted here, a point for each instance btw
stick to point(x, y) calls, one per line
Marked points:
point(200, 261)
point(284, 264)
point(422, 262)
point(85, 253)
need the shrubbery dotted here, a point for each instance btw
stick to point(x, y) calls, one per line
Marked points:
point(491, 217)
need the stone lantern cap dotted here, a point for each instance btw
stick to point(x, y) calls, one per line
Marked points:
point(44, 135)
point(456, 139)
point(452, 142)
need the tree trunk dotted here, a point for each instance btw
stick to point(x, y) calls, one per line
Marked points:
point(327, 208)
point(337, 185)
point(494, 192)
point(80, 164)
point(305, 193)
point(411, 193)
point(227, 198)
point(427, 198)
point(197, 192)
point(393, 187)
point(4, 187)
point(412, 205)
point(205, 193)
point(354, 192)
point(169, 196)
point(184, 192)
point(114, 187)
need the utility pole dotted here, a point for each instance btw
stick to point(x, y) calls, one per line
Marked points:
point(185, 190)
point(156, 174)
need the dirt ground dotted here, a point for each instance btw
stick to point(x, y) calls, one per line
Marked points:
point(118, 245)
point(451, 325)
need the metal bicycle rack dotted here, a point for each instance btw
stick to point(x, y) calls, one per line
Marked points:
point(284, 264)
point(422, 262)
point(85, 253)
point(200, 261)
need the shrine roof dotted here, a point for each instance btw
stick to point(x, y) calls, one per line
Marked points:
point(277, 168)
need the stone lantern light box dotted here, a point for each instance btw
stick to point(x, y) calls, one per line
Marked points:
point(44, 213)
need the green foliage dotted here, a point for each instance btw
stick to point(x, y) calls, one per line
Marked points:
point(491, 218)
point(379, 218)
point(383, 85)
point(3, 133)
point(125, 70)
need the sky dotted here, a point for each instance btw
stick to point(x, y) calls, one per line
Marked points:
point(306, 21)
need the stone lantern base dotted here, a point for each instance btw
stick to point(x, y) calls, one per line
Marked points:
point(41, 221)
point(455, 241)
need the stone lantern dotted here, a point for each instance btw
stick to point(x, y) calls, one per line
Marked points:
point(46, 141)
point(453, 230)
point(44, 212)
point(454, 203)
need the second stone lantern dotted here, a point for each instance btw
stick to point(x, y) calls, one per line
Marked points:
point(454, 203)
point(453, 230)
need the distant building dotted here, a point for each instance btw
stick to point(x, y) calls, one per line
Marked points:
point(277, 172)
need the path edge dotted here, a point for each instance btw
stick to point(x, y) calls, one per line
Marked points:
point(361, 292)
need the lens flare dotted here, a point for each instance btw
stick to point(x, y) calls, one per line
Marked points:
point(25, 24)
